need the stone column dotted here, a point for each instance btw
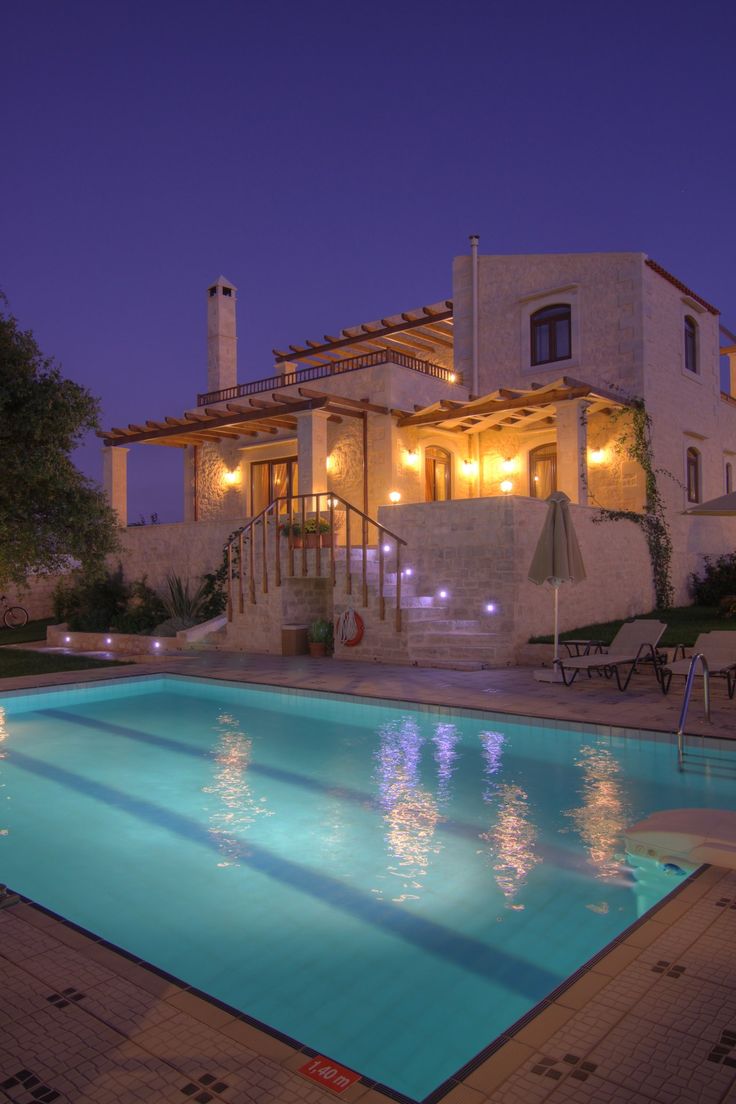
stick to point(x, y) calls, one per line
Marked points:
point(572, 450)
point(115, 479)
point(730, 352)
point(311, 435)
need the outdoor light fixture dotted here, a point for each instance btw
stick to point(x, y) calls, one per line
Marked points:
point(470, 467)
point(330, 462)
point(230, 478)
point(156, 644)
point(394, 496)
point(108, 640)
point(408, 571)
point(508, 464)
point(507, 486)
point(332, 503)
point(67, 640)
point(490, 607)
point(452, 377)
point(597, 455)
point(443, 594)
point(412, 458)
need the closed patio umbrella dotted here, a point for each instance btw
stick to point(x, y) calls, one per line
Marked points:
point(557, 558)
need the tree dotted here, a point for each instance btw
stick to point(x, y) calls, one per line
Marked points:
point(50, 513)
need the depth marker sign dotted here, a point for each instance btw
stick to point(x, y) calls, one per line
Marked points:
point(328, 1074)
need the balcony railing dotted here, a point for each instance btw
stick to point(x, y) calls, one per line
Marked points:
point(335, 368)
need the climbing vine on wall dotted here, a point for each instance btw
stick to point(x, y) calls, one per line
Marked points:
point(636, 443)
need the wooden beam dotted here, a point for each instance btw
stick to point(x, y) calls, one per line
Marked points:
point(383, 331)
point(359, 404)
point(138, 434)
point(491, 406)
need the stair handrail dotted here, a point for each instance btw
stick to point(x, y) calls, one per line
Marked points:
point(287, 518)
point(697, 658)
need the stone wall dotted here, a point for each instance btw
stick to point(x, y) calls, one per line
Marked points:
point(37, 596)
point(188, 549)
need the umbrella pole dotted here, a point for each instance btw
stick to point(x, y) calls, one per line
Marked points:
point(557, 625)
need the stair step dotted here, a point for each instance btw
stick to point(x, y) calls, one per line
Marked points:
point(454, 626)
point(439, 663)
point(458, 641)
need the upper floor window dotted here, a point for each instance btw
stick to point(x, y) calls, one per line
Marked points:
point(550, 334)
point(691, 344)
point(692, 475)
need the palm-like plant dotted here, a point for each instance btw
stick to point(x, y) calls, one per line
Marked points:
point(182, 604)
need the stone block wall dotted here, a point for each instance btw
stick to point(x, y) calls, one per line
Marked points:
point(188, 549)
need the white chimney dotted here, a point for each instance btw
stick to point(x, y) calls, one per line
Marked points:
point(222, 356)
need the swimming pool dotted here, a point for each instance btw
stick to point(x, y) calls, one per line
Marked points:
point(392, 886)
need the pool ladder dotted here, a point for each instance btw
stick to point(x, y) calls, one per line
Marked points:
point(698, 658)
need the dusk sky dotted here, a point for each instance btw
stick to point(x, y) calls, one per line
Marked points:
point(331, 159)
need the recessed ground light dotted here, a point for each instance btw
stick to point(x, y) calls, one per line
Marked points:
point(408, 571)
point(443, 594)
point(387, 548)
point(67, 640)
point(490, 607)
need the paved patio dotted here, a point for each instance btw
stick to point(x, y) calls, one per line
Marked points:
point(652, 1019)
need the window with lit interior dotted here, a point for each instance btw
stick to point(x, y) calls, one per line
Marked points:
point(550, 334)
point(437, 476)
point(543, 471)
point(692, 475)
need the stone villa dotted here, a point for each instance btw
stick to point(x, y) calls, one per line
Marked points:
point(427, 442)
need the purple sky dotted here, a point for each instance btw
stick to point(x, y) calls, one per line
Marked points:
point(330, 159)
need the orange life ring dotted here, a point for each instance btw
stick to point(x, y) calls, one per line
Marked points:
point(350, 628)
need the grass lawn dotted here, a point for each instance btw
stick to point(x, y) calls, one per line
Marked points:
point(684, 623)
point(34, 630)
point(16, 661)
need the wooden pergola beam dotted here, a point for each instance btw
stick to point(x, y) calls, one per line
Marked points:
point(260, 419)
point(298, 351)
point(492, 406)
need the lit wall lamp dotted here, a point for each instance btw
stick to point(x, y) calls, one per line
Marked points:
point(452, 377)
point(411, 459)
point(597, 455)
point(507, 486)
point(330, 463)
point(394, 496)
point(508, 465)
point(231, 478)
point(470, 467)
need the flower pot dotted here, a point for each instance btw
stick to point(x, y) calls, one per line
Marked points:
point(317, 651)
point(311, 540)
point(328, 539)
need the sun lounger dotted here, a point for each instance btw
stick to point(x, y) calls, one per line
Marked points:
point(635, 641)
point(719, 649)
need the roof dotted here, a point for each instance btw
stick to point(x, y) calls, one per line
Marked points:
point(680, 286)
point(423, 332)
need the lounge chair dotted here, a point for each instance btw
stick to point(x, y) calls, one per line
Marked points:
point(635, 641)
point(719, 649)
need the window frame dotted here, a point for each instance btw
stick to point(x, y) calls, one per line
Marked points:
point(556, 313)
point(429, 459)
point(690, 352)
point(292, 463)
point(693, 475)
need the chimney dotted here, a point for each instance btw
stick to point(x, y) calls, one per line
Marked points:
point(222, 358)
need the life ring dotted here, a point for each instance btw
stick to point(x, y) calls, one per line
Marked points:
point(350, 628)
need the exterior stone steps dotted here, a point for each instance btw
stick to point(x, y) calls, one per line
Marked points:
point(462, 642)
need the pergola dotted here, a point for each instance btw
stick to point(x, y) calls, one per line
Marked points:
point(512, 408)
point(426, 332)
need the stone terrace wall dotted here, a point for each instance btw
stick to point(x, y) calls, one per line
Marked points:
point(188, 549)
point(479, 551)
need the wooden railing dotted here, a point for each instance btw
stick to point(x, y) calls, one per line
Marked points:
point(334, 368)
point(292, 517)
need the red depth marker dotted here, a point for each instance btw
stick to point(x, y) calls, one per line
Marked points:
point(328, 1074)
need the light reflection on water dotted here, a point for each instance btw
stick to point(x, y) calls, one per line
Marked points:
point(601, 819)
point(513, 837)
point(410, 812)
point(3, 737)
point(236, 807)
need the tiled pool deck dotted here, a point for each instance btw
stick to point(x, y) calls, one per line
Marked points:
point(652, 1019)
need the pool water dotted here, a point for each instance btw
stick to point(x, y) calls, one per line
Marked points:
point(391, 886)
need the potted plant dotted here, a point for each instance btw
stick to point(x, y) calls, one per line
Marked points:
point(321, 638)
point(314, 533)
point(293, 531)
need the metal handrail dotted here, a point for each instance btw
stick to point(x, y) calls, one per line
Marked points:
point(698, 657)
point(333, 368)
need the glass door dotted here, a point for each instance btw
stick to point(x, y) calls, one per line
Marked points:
point(272, 479)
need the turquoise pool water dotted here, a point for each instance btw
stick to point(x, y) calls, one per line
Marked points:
point(393, 887)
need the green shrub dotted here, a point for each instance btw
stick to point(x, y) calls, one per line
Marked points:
point(717, 581)
point(180, 603)
point(91, 604)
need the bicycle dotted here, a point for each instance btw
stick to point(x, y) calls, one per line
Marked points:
point(14, 617)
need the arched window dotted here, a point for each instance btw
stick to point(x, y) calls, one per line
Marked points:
point(691, 344)
point(692, 475)
point(729, 477)
point(437, 474)
point(543, 471)
point(551, 334)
